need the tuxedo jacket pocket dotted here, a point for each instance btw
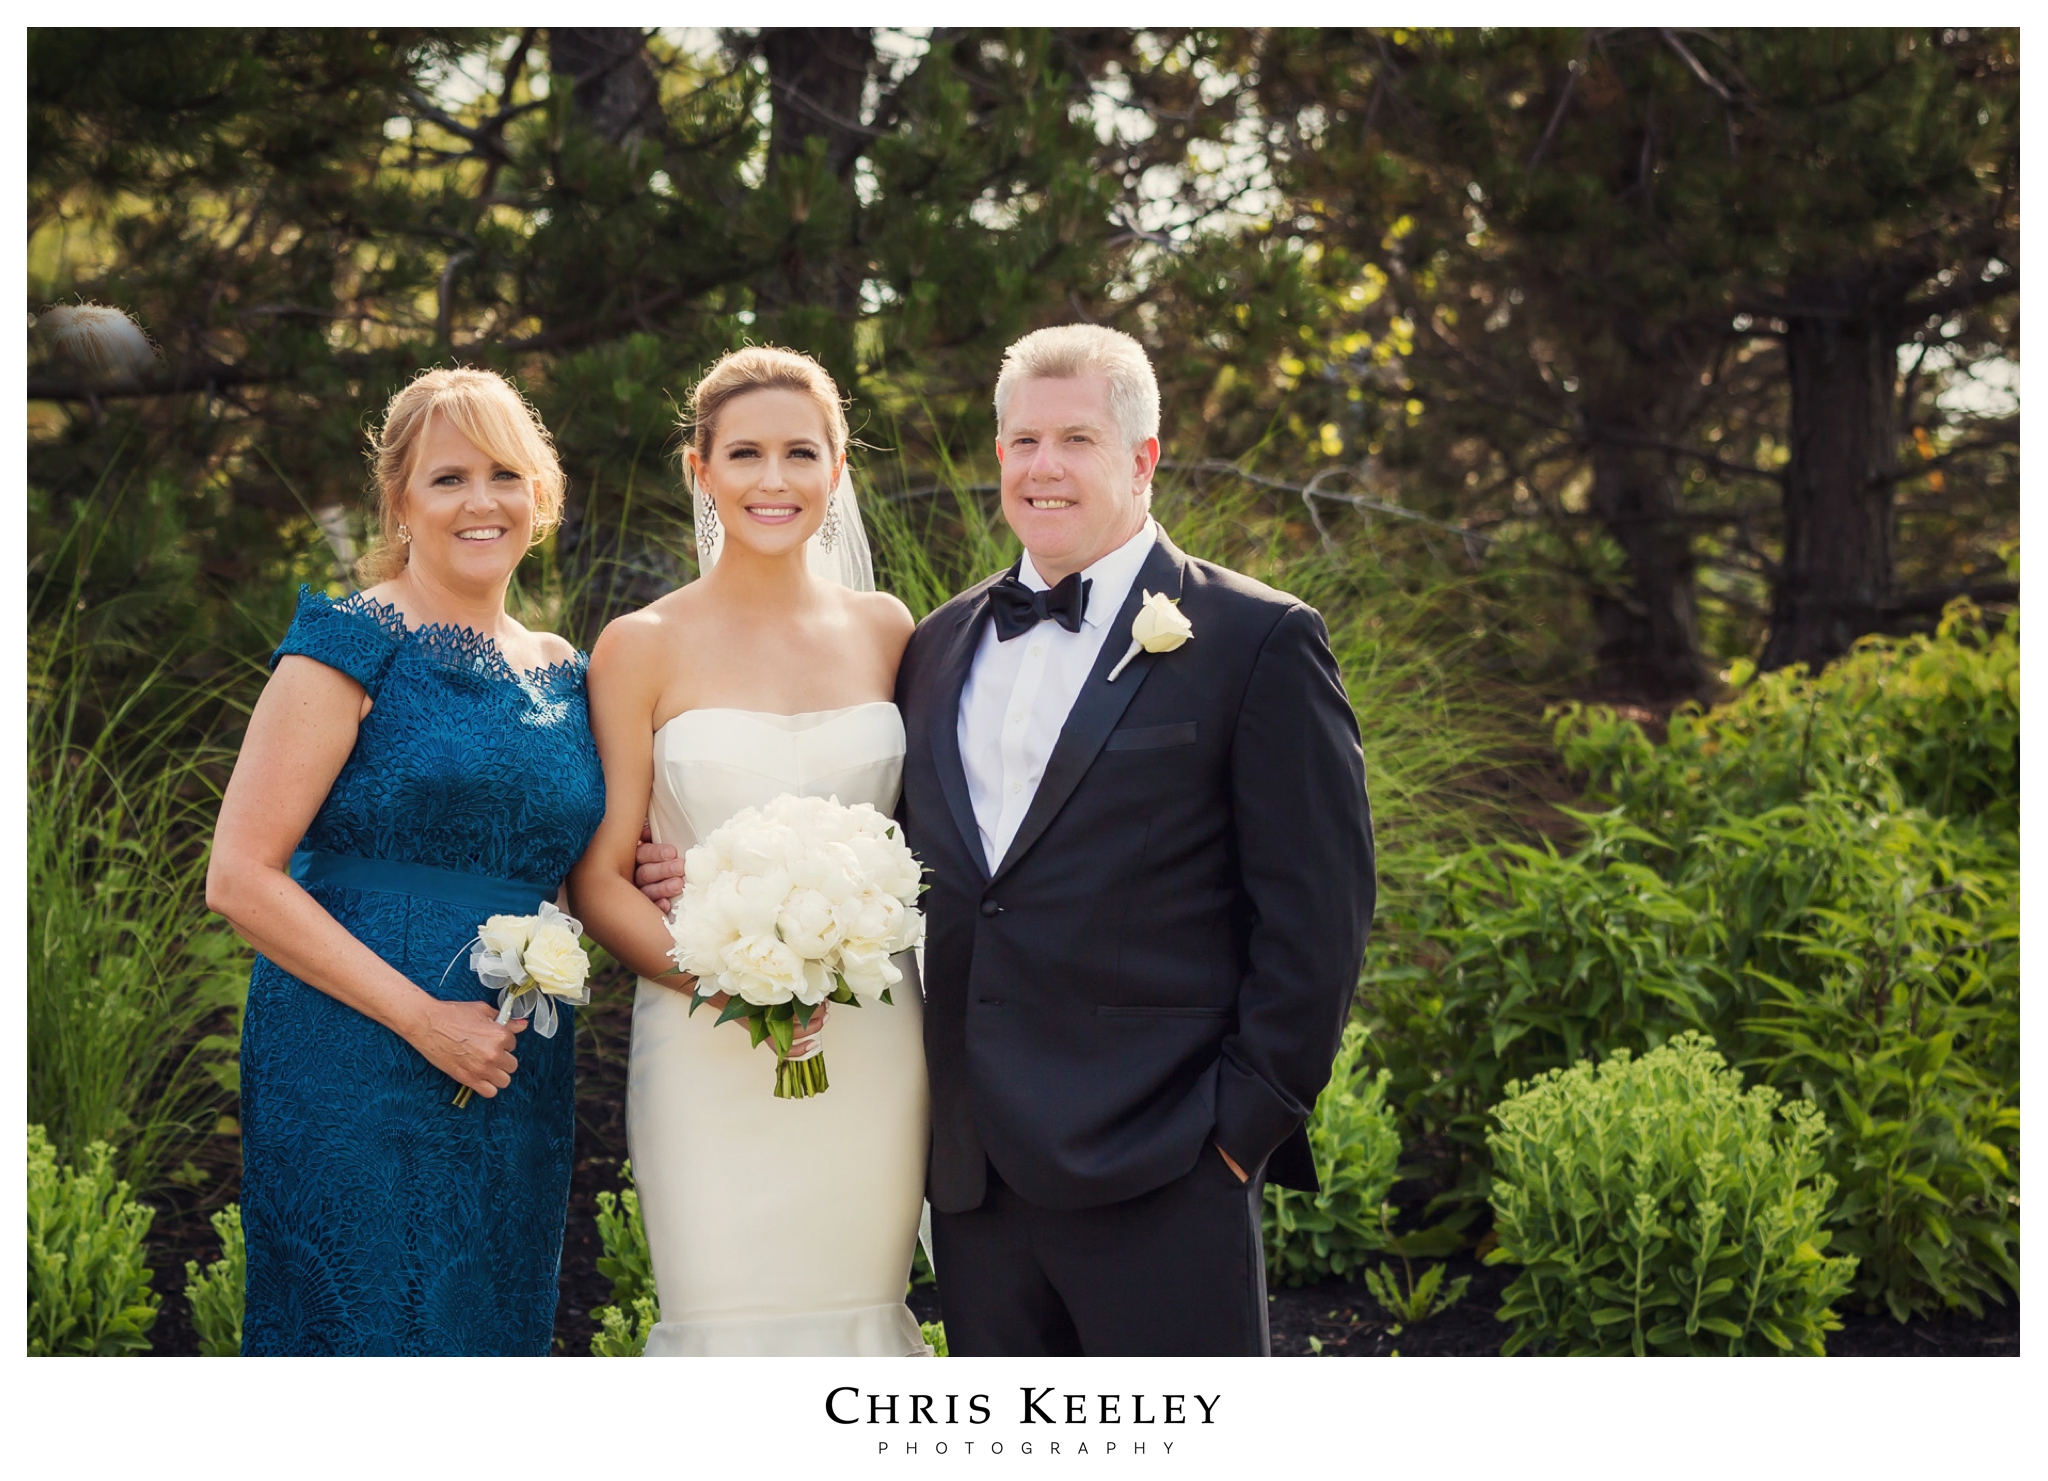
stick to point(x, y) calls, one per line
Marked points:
point(1155, 1010)
point(1148, 737)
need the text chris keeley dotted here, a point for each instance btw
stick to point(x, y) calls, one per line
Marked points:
point(850, 1405)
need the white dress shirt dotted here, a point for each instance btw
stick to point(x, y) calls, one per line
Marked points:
point(1018, 693)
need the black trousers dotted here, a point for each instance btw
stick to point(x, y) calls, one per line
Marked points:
point(1177, 1272)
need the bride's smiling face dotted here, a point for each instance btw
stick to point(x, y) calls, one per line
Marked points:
point(770, 471)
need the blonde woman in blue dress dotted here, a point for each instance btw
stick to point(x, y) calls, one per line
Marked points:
point(777, 1227)
point(418, 761)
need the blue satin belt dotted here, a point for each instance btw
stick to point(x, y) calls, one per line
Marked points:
point(451, 887)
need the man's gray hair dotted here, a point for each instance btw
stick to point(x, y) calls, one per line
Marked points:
point(1069, 350)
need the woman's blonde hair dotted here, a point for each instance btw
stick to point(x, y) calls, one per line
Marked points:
point(763, 368)
point(487, 409)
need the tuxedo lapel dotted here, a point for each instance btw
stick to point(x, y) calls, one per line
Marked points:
point(1099, 705)
point(944, 737)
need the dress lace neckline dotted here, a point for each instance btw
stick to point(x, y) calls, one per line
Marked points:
point(446, 641)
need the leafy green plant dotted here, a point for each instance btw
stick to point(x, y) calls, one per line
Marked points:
point(934, 1334)
point(1795, 874)
point(1408, 1300)
point(1352, 1135)
point(1922, 721)
point(623, 1326)
point(1905, 1025)
point(216, 1296)
point(1656, 1206)
point(88, 1290)
point(623, 1336)
point(1515, 959)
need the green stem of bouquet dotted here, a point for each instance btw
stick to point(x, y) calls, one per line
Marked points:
point(797, 1078)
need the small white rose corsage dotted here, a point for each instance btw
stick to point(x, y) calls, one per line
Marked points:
point(1159, 627)
point(531, 960)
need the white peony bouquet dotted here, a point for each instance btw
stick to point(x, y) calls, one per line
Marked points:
point(531, 960)
point(794, 904)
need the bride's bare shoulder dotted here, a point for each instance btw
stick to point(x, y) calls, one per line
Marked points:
point(883, 615)
point(629, 639)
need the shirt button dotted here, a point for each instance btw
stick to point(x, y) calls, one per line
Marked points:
point(1037, 650)
point(1016, 786)
point(1017, 718)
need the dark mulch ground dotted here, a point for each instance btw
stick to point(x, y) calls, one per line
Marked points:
point(1341, 1316)
point(1348, 1323)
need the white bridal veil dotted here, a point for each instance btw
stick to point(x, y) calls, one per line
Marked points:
point(838, 552)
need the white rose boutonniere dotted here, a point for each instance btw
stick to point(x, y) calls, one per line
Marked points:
point(1159, 627)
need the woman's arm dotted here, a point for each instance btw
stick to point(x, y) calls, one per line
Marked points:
point(299, 737)
point(624, 679)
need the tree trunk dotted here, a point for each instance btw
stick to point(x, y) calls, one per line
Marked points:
point(819, 75)
point(616, 95)
point(1646, 385)
point(608, 565)
point(1649, 634)
point(1836, 573)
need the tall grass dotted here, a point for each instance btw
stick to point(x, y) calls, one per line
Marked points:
point(133, 989)
point(1438, 740)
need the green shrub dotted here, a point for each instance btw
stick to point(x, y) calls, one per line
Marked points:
point(934, 1334)
point(88, 1290)
point(216, 1297)
point(631, 1268)
point(1657, 1207)
point(1772, 875)
point(1516, 959)
point(1357, 1149)
point(1904, 1025)
point(1926, 722)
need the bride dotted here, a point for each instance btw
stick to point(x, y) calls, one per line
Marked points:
point(777, 1227)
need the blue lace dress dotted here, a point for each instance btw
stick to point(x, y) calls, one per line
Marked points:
point(380, 1218)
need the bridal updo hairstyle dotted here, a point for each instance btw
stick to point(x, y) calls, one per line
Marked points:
point(484, 407)
point(1068, 351)
point(763, 368)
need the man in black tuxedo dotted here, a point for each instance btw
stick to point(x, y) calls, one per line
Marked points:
point(1151, 881)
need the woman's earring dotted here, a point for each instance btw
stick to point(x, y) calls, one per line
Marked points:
point(404, 535)
point(707, 530)
point(828, 532)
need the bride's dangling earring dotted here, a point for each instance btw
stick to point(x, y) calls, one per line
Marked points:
point(707, 529)
point(828, 532)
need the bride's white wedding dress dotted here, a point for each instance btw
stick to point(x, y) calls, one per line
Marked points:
point(777, 1227)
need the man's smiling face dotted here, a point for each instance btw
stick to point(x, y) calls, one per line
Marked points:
point(1073, 489)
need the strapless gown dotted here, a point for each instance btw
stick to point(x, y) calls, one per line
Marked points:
point(777, 1227)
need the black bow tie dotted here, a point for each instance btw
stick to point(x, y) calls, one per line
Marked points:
point(1018, 608)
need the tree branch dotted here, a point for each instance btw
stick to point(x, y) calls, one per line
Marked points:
point(208, 377)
